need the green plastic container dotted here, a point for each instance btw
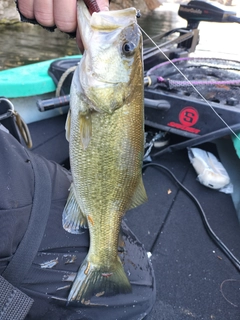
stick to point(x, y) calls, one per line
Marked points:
point(28, 80)
point(26, 84)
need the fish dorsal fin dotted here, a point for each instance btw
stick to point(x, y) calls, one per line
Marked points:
point(68, 125)
point(85, 121)
point(139, 196)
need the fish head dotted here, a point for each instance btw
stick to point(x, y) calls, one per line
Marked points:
point(112, 60)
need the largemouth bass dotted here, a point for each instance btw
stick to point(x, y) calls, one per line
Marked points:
point(106, 140)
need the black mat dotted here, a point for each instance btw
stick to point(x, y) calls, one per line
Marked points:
point(194, 279)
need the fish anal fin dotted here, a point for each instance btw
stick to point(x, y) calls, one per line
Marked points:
point(73, 218)
point(139, 197)
point(85, 121)
point(93, 280)
point(68, 125)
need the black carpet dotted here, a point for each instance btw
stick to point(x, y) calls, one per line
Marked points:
point(194, 279)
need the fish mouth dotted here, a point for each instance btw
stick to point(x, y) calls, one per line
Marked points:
point(102, 20)
point(114, 19)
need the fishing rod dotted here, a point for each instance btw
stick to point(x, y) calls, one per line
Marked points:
point(62, 101)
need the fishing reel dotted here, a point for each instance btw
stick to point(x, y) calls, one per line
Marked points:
point(200, 10)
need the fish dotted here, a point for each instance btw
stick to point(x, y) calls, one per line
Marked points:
point(105, 130)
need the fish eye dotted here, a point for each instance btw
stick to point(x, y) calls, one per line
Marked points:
point(128, 48)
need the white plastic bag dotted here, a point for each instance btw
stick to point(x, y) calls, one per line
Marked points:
point(211, 172)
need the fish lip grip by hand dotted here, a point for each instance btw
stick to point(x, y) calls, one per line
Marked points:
point(92, 6)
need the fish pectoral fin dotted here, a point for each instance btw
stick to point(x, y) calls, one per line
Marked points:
point(139, 196)
point(73, 218)
point(95, 280)
point(85, 121)
point(68, 125)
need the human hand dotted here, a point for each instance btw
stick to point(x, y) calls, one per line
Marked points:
point(59, 13)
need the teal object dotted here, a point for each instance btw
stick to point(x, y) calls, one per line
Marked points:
point(236, 143)
point(28, 80)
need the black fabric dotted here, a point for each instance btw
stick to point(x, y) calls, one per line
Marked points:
point(49, 140)
point(22, 260)
point(14, 304)
point(60, 254)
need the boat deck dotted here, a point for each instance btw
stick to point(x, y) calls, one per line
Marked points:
point(194, 279)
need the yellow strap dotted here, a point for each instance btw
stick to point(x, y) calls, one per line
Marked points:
point(23, 129)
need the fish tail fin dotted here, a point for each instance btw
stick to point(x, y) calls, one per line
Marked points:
point(93, 280)
point(72, 218)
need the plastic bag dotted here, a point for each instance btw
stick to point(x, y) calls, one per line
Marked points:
point(211, 172)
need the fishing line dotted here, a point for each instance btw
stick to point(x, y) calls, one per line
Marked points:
point(190, 83)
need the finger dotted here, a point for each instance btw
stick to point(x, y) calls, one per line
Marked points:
point(65, 15)
point(43, 11)
point(26, 8)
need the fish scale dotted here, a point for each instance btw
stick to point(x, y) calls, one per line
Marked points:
point(97, 162)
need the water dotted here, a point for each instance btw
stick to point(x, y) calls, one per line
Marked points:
point(24, 43)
